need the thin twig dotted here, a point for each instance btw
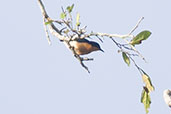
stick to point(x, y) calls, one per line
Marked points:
point(81, 61)
point(54, 31)
point(87, 59)
point(46, 32)
point(129, 55)
point(135, 50)
point(139, 69)
point(136, 26)
point(107, 35)
point(59, 22)
point(82, 64)
point(99, 39)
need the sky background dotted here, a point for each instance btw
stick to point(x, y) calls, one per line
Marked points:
point(36, 78)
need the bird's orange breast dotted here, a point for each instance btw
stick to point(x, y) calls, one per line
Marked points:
point(82, 48)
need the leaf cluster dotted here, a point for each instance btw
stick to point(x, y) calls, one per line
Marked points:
point(147, 89)
point(144, 35)
point(140, 37)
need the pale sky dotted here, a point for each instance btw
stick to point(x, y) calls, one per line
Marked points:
point(36, 78)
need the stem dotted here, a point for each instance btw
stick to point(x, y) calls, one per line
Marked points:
point(136, 26)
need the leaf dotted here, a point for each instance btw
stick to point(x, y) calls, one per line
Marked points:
point(140, 37)
point(145, 99)
point(147, 81)
point(145, 96)
point(126, 58)
point(63, 15)
point(78, 20)
point(49, 22)
point(70, 8)
point(66, 31)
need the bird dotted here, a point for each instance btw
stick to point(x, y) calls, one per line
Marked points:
point(167, 97)
point(84, 46)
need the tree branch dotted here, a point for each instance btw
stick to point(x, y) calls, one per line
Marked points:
point(136, 25)
point(57, 33)
point(72, 34)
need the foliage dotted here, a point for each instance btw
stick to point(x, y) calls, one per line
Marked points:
point(148, 83)
point(145, 99)
point(148, 88)
point(63, 15)
point(78, 20)
point(49, 22)
point(126, 58)
point(140, 37)
point(70, 8)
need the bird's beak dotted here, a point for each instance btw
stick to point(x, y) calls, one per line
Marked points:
point(101, 50)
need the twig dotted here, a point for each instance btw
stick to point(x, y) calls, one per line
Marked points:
point(135, 50)
point(99, 39)
point(51, 26)
point(46, 32)
point(59, 22)
point(129, 55)
point(107, 35)
point(139, 69)
point(136, 25)
point(82, 64)
point(116, 36)
point(87, 59)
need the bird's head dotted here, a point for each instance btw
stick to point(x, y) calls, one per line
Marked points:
point(96, 46)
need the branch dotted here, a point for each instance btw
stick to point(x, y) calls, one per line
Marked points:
point(54, 31)
point(72, 34)
point(57, 33)
point(119, 36)
point(107, 35)
point(129, 55)
point(46, 31)
point(69, 33)
point(136, 25)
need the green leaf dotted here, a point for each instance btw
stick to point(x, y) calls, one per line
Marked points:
point(140, 37)
point(49, 22)
point(66, 31)
point(145, 99)
point(70, 8)
point(78, 20)
point(63, 15)
point(126, 58)
point(147, 81)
